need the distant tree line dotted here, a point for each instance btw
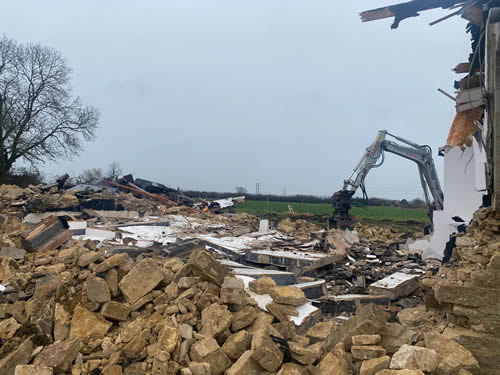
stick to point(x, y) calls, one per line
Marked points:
point(414, 203)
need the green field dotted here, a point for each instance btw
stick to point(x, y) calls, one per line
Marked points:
point(368, 212)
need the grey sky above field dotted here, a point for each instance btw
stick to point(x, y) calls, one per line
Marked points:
point(210, 95)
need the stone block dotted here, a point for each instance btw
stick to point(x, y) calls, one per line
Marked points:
point(8, 328)
point(367, 351)
point(414, 358)
point(141, 279)
point(305, 354)
point(113, 370)
point(246, 365)
point(86, 324)
point(111, 277)
point(187, 281)
point(207, 350)
point(215, 319)
point(111, 262)
point(233, 291)
point(293, 369)
point(21, 355)
point(485, 347)
point(33, 370)
point(169, 338)
point(372, 366)
point(87, 258)
point(237, 344)
point(288, 295)
point(243, 318)
point(413, 317)
point(198, 368)
point(62, 322)
point(115, 310)
point(320, 331)
point(400, 372)
point(262, 285)
point(394, 335)
point(334, 363)
point(465, 295)
point(366, 339)
point(205, 266)
point(282, 312)
point(59, 356)
point(98, 290)
point(494, 263)
point(265, 352)
point(369, 319)
point(451, 356)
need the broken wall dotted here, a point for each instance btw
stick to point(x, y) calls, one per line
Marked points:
point(461, 198)
point(469, 292)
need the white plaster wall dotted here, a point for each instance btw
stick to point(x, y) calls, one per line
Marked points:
point(462, 196)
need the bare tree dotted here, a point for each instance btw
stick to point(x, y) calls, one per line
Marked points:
point(39, 118)
point(90, 176)
point(241, 190)
point(114, 171)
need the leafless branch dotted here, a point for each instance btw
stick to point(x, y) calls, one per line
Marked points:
point(39, 118)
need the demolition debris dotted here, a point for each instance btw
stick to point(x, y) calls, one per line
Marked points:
point(102, 281)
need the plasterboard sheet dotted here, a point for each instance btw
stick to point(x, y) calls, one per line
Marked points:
point(291, 254)
point(393, 280)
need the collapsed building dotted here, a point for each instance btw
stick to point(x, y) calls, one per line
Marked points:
point(107, 281)
point(471, 152)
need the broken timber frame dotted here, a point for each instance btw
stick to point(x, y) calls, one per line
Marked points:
point(405, 10)
point(156, 197)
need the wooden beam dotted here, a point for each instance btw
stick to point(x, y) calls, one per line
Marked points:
point(446, 94)
point(376, 14)
point(405, 10)
point(445, 17)
point(462, 68)
point(156, 197)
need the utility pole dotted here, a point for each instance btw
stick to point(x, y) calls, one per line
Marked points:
point(257, 188)
point(284, 190)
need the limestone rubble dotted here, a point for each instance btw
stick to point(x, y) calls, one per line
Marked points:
point(82, 309)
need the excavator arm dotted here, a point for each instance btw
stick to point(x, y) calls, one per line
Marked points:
point(373, 158)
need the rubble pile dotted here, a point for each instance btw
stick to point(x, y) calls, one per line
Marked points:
point(468, 291)
point(300, 229)
point(47, 198)
point(80, 310)
point(367, 263)
point(379, 235)
point(106, 291)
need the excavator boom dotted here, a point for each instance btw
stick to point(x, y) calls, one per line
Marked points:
point(420, 154)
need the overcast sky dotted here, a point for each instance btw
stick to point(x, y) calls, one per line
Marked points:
point(210, 95)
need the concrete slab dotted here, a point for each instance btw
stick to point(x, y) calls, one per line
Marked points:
point(77, 227)
point(96, 234)
point(279, 277)
point(35, 218)
point(234, 253)
point(313, 289)
point(232, 264)
point(349, 302)
point(118, 214)
point(396, 285)
point(283, 258)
